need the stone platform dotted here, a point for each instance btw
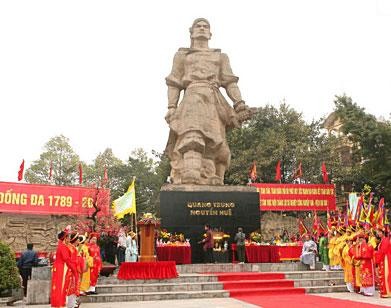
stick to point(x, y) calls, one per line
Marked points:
point(198, 281)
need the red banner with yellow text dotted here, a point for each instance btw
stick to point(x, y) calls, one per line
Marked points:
point(52, 200)
point(296, 197)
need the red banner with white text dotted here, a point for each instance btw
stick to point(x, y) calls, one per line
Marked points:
point(296, 197)
point(52, 200)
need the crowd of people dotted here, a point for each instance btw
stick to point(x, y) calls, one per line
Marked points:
point(78, 262)
point(364, 254)
point(76, 268)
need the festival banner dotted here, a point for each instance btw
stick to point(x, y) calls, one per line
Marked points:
point(296, 197)
point(52, 200)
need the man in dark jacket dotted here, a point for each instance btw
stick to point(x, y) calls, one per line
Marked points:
point(207, 245)
point(239, 239)
point(27, 260)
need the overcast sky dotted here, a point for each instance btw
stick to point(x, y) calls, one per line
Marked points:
point(94, 70)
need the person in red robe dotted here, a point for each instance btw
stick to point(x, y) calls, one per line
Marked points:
point(73, 290)
point(94, 252)
point(60, 268)
point(383, 261)
point(365, 258)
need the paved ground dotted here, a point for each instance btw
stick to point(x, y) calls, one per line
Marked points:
point(188, 303)
point(376, 300)
point(217, 302)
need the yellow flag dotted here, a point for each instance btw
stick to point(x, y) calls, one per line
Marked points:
point(126, 204)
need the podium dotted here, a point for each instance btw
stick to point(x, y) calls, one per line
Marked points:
point(147, 241)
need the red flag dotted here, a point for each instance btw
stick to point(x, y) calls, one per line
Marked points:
point(324, 173)
point(51, 170)
point(302, 228)
point(80, 173)
point(315, 225)
point(105, 175)
point(329, 224)
point(20, 172)
point(298, 172)
point(252, 173)
point(278, 171)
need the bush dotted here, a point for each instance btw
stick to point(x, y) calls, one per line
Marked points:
point(9, 274)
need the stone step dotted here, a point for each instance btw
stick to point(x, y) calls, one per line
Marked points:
point(158, 287)
point(247, 267)
point(326, 289)
point(152, 296)
point(318, 282)
point(313, 274)
point(183, 278)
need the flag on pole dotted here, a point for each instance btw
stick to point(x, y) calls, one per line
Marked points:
point(80, 173)
point(315, 225)
point(329, 224)
point(126, 204)
point(50, 170)
point(298, 172)
point(278, 172)
point(380, 213)
point(302, 228)
point(324, 173)
point(252, 173)
point(21, 170)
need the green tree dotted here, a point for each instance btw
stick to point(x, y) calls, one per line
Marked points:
point(59, 154)
point(371, 146)
point(9, 276)
point(281, 134)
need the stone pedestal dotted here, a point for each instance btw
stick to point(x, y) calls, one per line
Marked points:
point(147, 242)
point(187, 208)
point(38, 288)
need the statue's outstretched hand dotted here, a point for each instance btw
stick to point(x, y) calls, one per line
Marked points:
point(244, 113)
point(169, 115)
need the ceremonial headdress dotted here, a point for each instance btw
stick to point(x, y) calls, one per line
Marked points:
point(74, 237)
point(82, 239)
point(94, 234)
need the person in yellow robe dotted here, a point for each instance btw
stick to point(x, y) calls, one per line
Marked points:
point(337, 250)
point(347, 265)
point(88, 262)
point(331, 248)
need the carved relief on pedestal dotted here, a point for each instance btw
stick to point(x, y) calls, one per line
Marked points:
point(18, 230)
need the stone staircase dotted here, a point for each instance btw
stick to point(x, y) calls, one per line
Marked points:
point(197, 281)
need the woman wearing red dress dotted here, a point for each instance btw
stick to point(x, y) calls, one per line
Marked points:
point(383, 261)
point(94, 252)
point(60, 267)
point(73, 276)
point(365, 257)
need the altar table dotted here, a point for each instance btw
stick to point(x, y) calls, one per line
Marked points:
point(147, 270)
point(179, 254)
point(269, 253)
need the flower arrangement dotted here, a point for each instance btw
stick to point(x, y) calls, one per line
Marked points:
point(167, 238)
point(164, 235)
point(256, 237)
point(149, 219)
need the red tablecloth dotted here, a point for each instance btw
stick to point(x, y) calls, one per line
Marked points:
point(179, 254)
point(289, 253)
point(269, 253)
point(147, 270)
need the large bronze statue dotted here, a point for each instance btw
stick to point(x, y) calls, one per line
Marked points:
point(197, 146)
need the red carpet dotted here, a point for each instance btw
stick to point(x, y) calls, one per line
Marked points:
point(272, 290)
point(302, 301)
point(259, 284)
point(249, 276)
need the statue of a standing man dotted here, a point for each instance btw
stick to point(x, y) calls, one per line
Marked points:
point(197, 145)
